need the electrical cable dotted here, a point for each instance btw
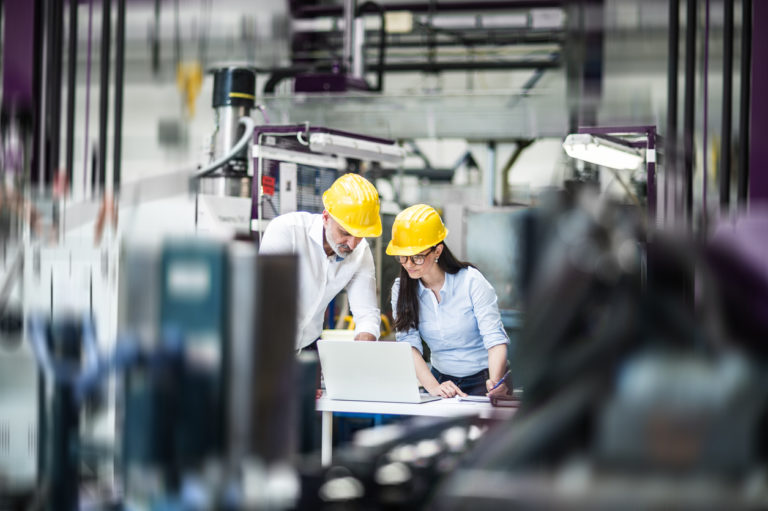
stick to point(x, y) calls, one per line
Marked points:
point(250, 126)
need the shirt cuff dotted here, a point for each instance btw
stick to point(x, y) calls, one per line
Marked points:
point(369, 327)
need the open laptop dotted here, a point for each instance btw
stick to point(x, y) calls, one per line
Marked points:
point(370, 371)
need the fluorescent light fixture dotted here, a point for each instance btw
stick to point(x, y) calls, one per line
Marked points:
point(355, 148)
point(599, 151)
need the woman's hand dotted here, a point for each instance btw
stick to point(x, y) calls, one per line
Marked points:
point(446, 389)
point(501, 390)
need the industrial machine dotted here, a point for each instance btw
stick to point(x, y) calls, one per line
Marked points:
point(292, 165)
point(211, 388)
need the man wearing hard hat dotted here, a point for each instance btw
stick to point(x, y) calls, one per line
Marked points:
point(333, 256)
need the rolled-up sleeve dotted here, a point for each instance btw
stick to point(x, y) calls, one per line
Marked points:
point(486, 308)
point(412, 336)
point(361, 292)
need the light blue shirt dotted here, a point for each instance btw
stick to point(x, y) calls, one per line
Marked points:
point(461, 328)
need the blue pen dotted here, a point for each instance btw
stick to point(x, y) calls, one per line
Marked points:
point(503, 379)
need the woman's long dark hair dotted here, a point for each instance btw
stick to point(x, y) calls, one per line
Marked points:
point(408, 295)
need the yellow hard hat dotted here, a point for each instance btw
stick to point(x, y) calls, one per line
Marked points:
point(354, 203)
point(416, 229)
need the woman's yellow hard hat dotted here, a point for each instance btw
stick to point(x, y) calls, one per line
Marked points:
point(416, 229)
point(354, 203)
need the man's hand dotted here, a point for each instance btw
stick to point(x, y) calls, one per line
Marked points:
point(365, 336)
point(501, 390)
point(446, 389)
point(318, 393)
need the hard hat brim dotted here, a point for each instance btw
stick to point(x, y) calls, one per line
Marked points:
point(370, 231)
point(395, 250)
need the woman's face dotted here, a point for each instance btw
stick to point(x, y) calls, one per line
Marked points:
point(416, 271)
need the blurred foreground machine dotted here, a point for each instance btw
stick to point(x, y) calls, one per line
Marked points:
point(207, 411)
point(637, 391)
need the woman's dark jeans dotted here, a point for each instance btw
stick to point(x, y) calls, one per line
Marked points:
point(474, 384)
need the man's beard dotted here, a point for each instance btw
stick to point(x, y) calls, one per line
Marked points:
point(336, 247)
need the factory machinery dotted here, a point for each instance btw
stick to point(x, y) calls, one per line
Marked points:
point(163, 376)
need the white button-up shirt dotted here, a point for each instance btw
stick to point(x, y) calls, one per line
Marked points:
point(322, 277)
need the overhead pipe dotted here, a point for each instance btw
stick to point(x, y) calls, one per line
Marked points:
point(317, 11)
point(42, 68)
point(382, 40)
point(71, 84)
point(106, 36)
point(725, 127)
point(744, 102)
point(55, 52)
point(119, 85)
point(279, 75)
point(671, 181)
point(688, 108)
point(468, 66)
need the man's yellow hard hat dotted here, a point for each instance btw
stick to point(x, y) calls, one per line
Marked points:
point(416, 229)
point(354, 203)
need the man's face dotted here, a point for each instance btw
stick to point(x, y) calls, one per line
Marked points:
point(340, 240)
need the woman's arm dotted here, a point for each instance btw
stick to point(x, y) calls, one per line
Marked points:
point(497, 368)
point(429, 382)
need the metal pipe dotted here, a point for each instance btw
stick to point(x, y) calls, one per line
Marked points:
point(119, 85)
point(71, 84)
point(472, 37)
point(42, 94)
point(725, 126)
point(156, 40)
point(315, 11)
point(705, 129)
point(651, 174)
point(744, 102)
point(409, 67)
point(382, 41)
point(358, 52)
point(106, 35)
point(86, 141)
point(490, 175)
point(349, 34)
point(689, 97)
point(56, 56)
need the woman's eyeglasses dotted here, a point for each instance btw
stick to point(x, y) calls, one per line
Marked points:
point(417, 259)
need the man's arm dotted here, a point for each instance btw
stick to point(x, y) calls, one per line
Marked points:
point(361, 292)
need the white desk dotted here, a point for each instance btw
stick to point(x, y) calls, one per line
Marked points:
point(439, 408)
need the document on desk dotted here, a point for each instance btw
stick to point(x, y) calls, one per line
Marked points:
point(473, 399)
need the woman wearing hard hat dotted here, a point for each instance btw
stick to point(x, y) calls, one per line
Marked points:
point(450, 305)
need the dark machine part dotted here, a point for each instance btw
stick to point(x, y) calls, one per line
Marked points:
point(194, 305)
point(625, 384)
point(152, 420)
point(59, 448)
point(273, 406)
point(262, 403)
point(335, 61)
point(398, 471)
point(234, 94)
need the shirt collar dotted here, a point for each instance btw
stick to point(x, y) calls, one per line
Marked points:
point(447, 285)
